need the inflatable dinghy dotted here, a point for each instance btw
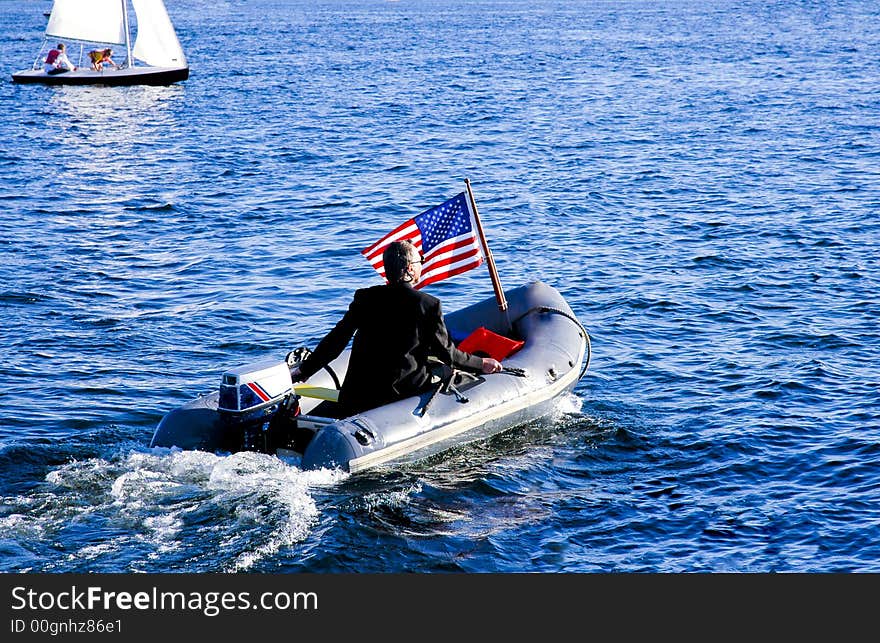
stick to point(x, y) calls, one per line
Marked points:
point(544, 348)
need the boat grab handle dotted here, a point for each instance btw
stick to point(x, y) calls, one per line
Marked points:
point(447, 385)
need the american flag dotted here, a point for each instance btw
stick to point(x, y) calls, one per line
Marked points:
point(446, 237)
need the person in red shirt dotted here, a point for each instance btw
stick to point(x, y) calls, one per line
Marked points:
point(57, 61)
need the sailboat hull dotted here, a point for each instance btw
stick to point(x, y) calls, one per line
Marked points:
point(111, 77)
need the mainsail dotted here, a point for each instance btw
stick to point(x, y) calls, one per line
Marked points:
point(87, 20)
point(156, 42)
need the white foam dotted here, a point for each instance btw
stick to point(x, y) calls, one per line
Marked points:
point(567, 404)
point(397, 498)
point(19, 526)
point(254, 503)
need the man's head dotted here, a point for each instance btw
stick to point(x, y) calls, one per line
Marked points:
point(402, 263)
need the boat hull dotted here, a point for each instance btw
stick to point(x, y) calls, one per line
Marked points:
point(109, 77)
point(550, 363)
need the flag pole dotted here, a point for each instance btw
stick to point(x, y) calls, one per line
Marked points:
point(493, 272)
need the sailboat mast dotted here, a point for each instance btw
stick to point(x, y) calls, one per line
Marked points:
point(127, 33)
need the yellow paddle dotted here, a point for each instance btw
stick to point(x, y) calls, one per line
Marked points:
point(319, 392)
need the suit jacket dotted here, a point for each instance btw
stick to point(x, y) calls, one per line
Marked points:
point(395, 328)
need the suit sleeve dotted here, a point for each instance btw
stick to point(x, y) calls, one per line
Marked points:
point(333, 343)
point(443, 348)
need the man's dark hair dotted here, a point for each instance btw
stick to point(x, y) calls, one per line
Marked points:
point(397, 257)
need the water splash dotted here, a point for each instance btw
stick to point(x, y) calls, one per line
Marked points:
point(139, 508)
point(567, 404)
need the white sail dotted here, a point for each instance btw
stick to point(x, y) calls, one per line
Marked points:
point(88, 20)
point(156, 42)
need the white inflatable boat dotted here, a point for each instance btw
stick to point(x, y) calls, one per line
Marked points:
point(544, 348)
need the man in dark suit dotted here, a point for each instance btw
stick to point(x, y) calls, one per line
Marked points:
point(396, 328)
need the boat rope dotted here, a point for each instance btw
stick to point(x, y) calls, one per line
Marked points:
point(559, 311)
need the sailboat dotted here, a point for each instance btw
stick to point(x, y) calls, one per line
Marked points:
point(155, 57)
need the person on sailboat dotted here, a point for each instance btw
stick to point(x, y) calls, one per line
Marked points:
point(101, 57)
point(396, 329)
point(57, 61)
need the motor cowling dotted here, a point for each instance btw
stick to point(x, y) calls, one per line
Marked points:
point(251, 396)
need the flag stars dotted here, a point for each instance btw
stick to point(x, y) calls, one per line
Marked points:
point(445, 236)
point(443, 222)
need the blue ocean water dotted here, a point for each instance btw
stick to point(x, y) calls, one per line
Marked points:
point(701, 180)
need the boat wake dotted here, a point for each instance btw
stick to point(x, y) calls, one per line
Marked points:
point(161, 510)
point(165, 509)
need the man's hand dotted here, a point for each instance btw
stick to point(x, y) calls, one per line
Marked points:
point(491, 365)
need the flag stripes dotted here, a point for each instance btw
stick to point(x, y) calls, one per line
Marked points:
point(445, 236)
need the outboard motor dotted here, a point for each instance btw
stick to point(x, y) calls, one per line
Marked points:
point(251, 396)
